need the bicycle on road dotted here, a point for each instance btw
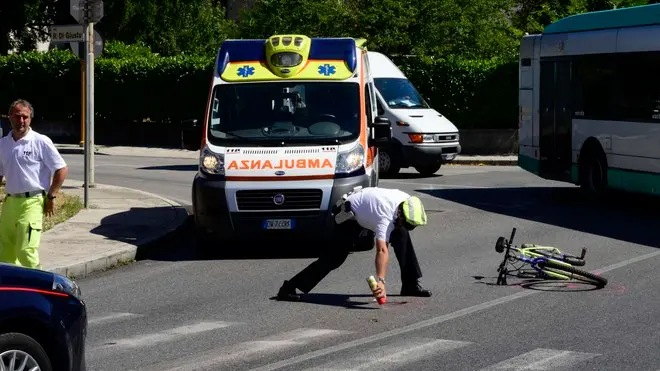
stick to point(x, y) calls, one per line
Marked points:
point(547, 262)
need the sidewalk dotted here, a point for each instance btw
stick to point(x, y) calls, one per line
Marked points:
point(118, 221)
point(501, 160)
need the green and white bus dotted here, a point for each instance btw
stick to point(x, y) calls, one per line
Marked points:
point(590, 100)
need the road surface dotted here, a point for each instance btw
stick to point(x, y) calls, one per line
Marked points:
point(176, 311)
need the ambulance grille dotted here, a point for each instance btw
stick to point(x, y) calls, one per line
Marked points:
point(260, 151)
point(301, 151)
point(294, 199)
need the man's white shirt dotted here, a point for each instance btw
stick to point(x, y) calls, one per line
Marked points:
point(29, 163)
point(376, 209)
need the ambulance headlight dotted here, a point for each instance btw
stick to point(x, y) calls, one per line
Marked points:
point(212, 163)
point(350, 161)
point(285, 59)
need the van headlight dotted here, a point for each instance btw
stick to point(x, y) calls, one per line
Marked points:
point(211, 162)
point(349, 161)
point(67, 286)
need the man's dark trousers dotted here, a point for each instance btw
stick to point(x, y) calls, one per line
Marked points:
point(344, 241)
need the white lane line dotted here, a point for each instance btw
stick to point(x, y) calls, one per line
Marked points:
point(434, 185)
point(163, 336)
point(430, 322)
point(542, 360)
point(211, 360)
point(110, 317)
point(392, 356)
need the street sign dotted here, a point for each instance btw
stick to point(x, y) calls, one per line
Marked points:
point(77, 10)
point(85, 11)
point(94, 10)
point(99, 43)
point(67, 33)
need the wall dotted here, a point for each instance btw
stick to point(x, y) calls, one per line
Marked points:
point(152, 134)
point(489, 141)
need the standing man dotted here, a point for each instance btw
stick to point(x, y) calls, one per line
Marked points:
point(389, 214)
point(28, 160)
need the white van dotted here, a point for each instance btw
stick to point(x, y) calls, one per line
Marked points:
point(421, 136)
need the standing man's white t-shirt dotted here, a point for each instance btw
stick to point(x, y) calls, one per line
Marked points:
point(376, 209)
point(28, 164)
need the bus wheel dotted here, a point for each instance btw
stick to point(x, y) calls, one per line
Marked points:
point(593, 172)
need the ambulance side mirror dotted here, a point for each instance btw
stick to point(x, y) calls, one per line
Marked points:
point(191, 134)
point(381, 131)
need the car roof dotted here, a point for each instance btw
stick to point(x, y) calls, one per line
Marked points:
point(382, 67)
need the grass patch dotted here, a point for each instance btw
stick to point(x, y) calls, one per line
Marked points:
point(66, 206)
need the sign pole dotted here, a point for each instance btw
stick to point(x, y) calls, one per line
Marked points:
point(90, 99)
point(86, 132)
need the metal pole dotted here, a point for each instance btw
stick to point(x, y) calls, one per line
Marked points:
point(90, 101)
point(86, 116)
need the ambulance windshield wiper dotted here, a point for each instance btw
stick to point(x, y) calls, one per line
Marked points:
point(309, 141)
point(232, 135)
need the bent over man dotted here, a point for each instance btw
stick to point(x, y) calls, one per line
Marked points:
point(28, 160)
point(389, 214)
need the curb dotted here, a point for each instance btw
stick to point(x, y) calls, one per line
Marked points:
point(485, 162)
point(129, 252)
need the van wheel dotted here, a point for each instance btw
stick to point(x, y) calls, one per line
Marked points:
point(387, 164)
point(428, 169)
point(18, 349)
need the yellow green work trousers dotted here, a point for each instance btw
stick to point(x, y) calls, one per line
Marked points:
point(21, 223)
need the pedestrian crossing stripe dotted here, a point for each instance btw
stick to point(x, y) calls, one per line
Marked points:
point(392, 355)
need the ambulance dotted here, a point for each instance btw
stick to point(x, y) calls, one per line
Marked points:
point(290, 126)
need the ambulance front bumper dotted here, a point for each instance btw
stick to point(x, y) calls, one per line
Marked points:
point(233, 209)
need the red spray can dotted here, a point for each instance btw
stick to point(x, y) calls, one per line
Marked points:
point(373, 285)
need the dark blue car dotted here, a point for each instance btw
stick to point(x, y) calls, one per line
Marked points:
point(43, 321)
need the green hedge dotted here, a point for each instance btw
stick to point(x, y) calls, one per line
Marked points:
point(473, 94)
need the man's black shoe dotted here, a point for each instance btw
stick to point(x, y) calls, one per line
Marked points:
point(288, 293)
point(415, 290)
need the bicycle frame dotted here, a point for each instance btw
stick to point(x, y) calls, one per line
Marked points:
point(527, 254)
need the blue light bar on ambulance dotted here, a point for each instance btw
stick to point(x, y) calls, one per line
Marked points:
point(253, 51)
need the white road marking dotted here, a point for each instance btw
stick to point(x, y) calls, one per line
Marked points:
point(164, 336)
point(240, 352)
point(393, 355)
point(434, 185)
point(110, 317)
point(430, 322)
point(542, 360)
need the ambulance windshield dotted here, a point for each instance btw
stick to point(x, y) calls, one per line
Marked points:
point(399, 93)
point(271, 113)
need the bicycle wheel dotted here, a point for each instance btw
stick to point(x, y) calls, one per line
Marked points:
point(574, 273)
point(570, 259)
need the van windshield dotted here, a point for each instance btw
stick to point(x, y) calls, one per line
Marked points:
point(399, 93)
point(281, 113)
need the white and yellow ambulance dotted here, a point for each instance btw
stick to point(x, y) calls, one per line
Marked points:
point(290, 127)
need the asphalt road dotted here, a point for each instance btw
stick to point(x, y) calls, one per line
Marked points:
point(175, 311)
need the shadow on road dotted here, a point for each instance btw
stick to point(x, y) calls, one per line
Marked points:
point(627, 217)
point(339, 300)
point(181, 245)
point(186, 167)
point(410, 176)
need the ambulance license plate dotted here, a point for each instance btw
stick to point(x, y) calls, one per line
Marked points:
point(278, 224)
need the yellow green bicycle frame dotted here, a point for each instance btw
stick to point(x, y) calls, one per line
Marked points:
point(527, 250)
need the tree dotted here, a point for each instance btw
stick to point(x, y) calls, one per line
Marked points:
point(168, 27)
point(24, 23)
point(475, 29)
